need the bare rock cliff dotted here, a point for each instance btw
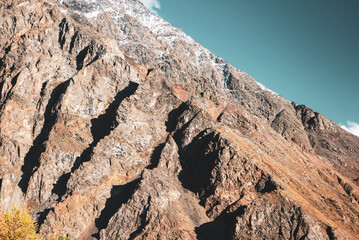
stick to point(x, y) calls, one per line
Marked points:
point(116, 125)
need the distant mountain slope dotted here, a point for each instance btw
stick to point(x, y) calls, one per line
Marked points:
point(116, 125)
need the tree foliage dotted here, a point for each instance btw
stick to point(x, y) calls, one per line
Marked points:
point(17, 223)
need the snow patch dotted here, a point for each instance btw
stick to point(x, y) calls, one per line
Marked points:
point(23, 4)
point(199, 56)
point(93, 14)
point(264, 88)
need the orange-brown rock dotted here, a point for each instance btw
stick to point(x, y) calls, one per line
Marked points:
point(116, 125)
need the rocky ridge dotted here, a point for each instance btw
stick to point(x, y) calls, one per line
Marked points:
point(116, 125)
point(153, 42)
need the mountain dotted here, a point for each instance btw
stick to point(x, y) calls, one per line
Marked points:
point(116, 125)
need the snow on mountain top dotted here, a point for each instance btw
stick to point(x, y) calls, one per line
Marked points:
point(164, 31)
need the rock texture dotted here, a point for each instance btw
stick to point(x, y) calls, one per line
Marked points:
point(116, 125)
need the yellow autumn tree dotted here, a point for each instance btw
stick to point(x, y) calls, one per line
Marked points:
point(17, 223)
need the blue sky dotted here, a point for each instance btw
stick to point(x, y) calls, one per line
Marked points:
point(307, 51)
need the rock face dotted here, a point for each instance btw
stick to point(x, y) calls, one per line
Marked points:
point(116, 125)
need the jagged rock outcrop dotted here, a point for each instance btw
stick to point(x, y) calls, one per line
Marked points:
point(116, 125)
point(330, 141)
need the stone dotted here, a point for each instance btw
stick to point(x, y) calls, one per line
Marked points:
point(116, 125)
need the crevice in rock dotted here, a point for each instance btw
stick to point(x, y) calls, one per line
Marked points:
point(222, 227)
point(72, 43)
point(63, 28)
point(43, 87)
point(191, 155)
point(330, 233)
point(10, 92)
point(80, 58)
point(299, 221)
point(149, 71)
point(101, 127)
point(178, 135)
point(39, 103)
point(144, 222)
point(156, 156)
point(14, 80)
point(1, 88)
point(265, 184)
point(198, 163)
point(1, 63)
point(219, 118)
point(304, 236)
point(97, 55)
point(119, 196)
point(32, 158)
point(173, 116)
point(42, 216)
point(0, 184)
point(91, 50)
point(105, 123)
point(60, 186)
point(7, 49)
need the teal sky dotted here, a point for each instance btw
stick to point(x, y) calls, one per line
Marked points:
point(306, 51)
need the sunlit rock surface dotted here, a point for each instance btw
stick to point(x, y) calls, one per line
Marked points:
point(116, 125)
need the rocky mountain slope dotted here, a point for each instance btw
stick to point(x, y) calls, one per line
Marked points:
point(116, 125)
